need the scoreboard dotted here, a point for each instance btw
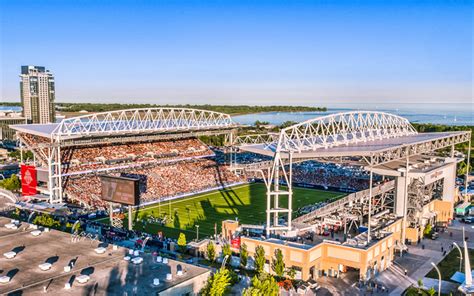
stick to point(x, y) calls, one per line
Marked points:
point(122, 190)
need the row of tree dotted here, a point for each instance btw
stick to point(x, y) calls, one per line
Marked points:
point(15, 154)
point(426, 128)
point(229, 109)
point(262, 283)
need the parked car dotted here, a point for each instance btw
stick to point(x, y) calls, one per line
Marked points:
point(468, 219)
point(313, 285)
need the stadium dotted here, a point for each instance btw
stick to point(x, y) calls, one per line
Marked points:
point(335, 193)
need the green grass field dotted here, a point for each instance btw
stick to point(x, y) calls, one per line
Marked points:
point(450, 264)
point(247, 202)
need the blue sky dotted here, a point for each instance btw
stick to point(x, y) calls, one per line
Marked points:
point(242, 52)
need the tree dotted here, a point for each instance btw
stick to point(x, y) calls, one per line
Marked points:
point(287, 124)
point(420, 284)
point(278, 265)
point(462, 168)
point(182, 242)
point(259, 259)
point(13, 183)
point(27, 155)
point(218, 284)
point(226, 250)
point(264, 284)
point(431, 291)
point(211, 251)
point(244, 254)
point(46, 220)
point(291, 272)
point(428, 229)
point(259, 123)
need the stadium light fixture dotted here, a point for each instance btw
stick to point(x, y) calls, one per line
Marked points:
point(439, 277)
point(460, 254)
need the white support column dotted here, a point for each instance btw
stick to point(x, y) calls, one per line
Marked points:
point(60, 175)
point(399, 196)
point(130, 218)
point(468, 167)
point(290, 191)
point(269, 185)
point(276, 188)
point(55, 173)
point(268, 225)
point(370, 207)
point(405, 201)
point(50, 175)
point(231, 148)
point(449, 182)
point(21, 152)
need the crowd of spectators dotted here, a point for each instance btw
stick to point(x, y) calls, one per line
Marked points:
point(345, 178)
point(89, 159)
point(326, 175)
point(158, 181)
point(81, 159)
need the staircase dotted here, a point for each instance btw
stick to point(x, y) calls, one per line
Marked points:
point(396, 274)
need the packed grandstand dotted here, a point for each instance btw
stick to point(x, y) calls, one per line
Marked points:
point(165, 169)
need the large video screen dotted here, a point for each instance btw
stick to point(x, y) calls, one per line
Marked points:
point(121, 190)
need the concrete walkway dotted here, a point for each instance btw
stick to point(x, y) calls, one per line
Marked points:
point(446, 287)
point(418, 260)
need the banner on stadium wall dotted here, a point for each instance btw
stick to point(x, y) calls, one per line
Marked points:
point(28, 180)
point(235, 243)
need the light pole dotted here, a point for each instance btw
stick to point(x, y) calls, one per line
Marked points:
point(439, 277)
point(224, 261)
point(197, 232)
point(460, 254)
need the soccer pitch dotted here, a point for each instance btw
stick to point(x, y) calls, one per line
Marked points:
point(247, 202)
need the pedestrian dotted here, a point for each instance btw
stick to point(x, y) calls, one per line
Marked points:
point(442, 249)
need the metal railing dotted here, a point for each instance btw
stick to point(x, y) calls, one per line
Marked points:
point(340, 203)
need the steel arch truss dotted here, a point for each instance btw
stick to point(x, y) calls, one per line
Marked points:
point(269, 139)
point(343, 129)
point(141, 120)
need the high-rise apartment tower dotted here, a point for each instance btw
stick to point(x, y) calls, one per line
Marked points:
point(37, 94)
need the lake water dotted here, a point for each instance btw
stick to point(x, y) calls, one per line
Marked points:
point(10, 108)
point(454, 115)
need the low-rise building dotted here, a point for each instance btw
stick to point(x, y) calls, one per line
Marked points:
point(6, 119)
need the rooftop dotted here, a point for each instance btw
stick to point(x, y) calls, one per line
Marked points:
point(132, 121)
point(356, 149)
point(109, 273)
